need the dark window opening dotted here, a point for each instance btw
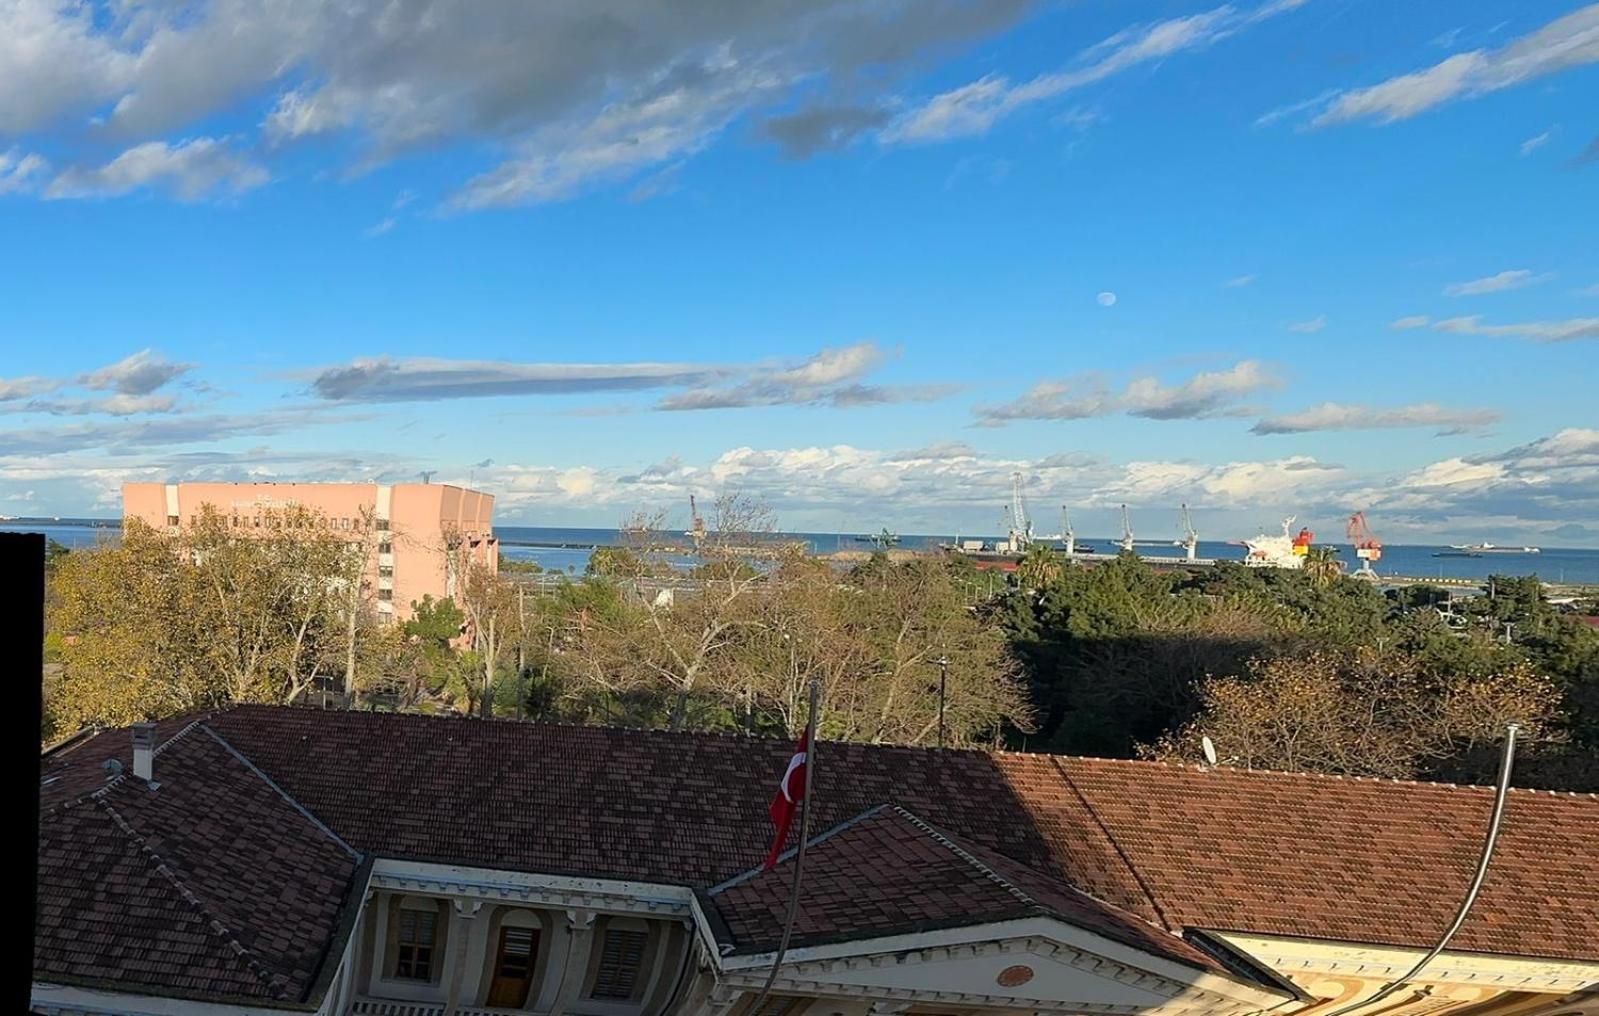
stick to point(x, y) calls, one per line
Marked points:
point(621, 959)
point(415, 949)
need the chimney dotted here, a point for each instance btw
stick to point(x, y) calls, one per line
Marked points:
point(144, 752)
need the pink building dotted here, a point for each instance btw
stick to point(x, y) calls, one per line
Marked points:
point(423, 534)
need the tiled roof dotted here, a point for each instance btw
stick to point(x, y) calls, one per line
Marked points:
point(1378, 862)
point(212, 884)
point(887, 872)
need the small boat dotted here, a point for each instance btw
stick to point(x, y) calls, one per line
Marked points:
point(1492, 548)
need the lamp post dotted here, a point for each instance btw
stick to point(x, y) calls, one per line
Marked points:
point(943, 679)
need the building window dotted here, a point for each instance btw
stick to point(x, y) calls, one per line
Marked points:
point(385, 594)
point(385, 547)
point(383, 525)
point(172, 520)
point(414, 947)
point(621, 960)
point(386, 571)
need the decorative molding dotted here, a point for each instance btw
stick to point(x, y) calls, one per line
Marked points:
point(580, 920)
point(549, 896)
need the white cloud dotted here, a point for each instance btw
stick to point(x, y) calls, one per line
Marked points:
point(1310, 327)
point(1530, 492)
point(832, 377)
point(666, 121)
point(974, 108)
point(1515, 278)
point(1413, 321)
point(54, 61)
point(1239, 281)
point(1106, 299)
point(1566, 42)
point(1539, 331)
point(1248, 485)
point(26, 387)
point(572, 94)
point(1207, 394)
point(190, 170)
point(379, 228)
point(111, 405)
point(1536, 142)
point(418, 379)
point(139, 374)
point(1341, 416)
point(20, 173)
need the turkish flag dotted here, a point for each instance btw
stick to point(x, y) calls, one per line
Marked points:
point(790, 792)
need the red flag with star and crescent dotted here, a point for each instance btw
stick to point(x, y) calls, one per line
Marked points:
point(790, 792)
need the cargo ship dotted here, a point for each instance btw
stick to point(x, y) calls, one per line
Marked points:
point(1281, 551)
point(1491, 548)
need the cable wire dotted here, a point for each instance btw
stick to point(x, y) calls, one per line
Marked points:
point(1494, 821)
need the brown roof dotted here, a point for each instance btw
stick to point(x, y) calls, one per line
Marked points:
point(212, 883)
point(887, 872)
point(1180, 848)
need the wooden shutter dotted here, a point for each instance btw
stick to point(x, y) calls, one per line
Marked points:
point(621, 959)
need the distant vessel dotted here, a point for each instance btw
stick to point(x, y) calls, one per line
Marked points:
point(1281, 551)
point(883, 540)
point(1457, 553)
point(1490, 548)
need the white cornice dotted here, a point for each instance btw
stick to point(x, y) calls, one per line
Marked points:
point(1289, 956)
point(1037, 936)
point(561, 891)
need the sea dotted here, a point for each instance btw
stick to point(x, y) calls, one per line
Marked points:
point(558, 549)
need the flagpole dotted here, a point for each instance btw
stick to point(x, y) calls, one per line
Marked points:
point(799, 855)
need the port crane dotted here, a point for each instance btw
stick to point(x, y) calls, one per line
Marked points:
point(1127, 531)
point(1190, 540)
point(1367, 547)
point(696, 525)
point(1021, 527)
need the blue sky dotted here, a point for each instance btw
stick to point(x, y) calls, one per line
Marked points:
point(863, 260)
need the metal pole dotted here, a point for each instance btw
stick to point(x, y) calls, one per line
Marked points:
point(943, 675)
point(799, 855)
point(521, 652)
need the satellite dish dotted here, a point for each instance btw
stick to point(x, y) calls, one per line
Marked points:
point(1209, 747)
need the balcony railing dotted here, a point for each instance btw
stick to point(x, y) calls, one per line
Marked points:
point(390, 1007)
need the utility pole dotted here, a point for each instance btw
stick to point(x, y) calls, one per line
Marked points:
point(521, 651)
point(943, 679)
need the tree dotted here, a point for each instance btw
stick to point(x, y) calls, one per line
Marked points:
point(1322, 565)
point(160, 624)
point(492, 620)
point(1362, 714)
point(1039, 567)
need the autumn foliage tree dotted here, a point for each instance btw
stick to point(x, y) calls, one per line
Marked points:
point(1361, 714)
point(167, 623)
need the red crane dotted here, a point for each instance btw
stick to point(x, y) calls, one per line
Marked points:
point(1367, 547)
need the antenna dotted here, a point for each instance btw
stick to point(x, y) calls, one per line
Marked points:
point(427, 475)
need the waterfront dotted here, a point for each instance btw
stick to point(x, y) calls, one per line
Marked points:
point(1553, 564)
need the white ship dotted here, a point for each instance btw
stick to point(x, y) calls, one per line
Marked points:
point(1280, 551)
point(1492, 548)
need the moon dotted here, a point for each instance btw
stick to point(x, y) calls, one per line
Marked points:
point(1106, 299)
